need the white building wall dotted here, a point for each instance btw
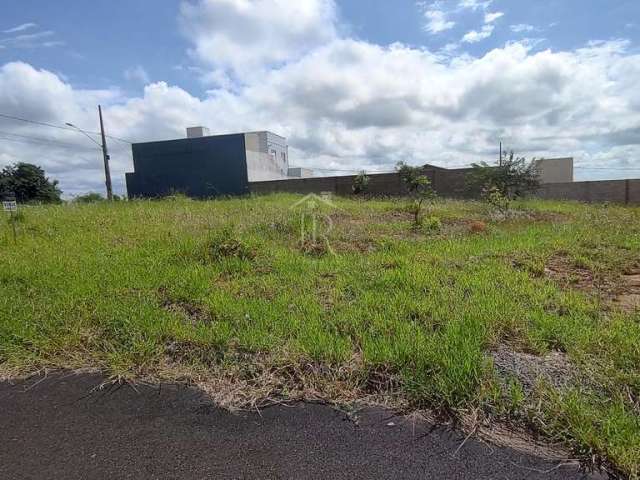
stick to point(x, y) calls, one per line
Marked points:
point(267, 156)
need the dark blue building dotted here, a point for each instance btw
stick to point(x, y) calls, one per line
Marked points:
point(206, 166)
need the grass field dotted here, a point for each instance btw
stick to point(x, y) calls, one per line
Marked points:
point(530, 319)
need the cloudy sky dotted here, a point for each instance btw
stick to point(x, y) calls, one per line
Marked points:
point(352, 83)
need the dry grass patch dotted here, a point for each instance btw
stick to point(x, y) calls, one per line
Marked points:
point(554, 368)
point(245, 381)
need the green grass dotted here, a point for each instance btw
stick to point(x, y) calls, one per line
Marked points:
point(180, 288)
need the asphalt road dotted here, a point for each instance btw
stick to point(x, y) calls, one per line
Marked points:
point(55, 428)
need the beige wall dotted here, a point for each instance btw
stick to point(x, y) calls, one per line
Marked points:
point(556, 170)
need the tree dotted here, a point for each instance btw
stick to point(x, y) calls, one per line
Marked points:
point(28, 183)
point(90, 197)
point(360, 183)
point(513, 176)
point(418, 187)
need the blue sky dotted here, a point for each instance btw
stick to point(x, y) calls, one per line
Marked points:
point(353, 84)
point(102, 39)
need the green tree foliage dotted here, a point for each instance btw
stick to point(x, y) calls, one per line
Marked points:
point(91, 197)
point(494, 197)
point(29, 184)
point(418, 187)
point(513, 177)
point(360, 183)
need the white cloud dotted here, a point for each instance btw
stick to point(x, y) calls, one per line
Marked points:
point(31, 40)
point(491, 17)
point(522, 27)
point(21, 28)
point(137, 74)
point(351, 104)
point(245, 36)
point(437, 20)
point(475, 4)
point(475, 36)
point(438, 13)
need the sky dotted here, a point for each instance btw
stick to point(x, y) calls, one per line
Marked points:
point(352, 84)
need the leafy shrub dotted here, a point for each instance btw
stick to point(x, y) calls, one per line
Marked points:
point(418, 187)
point(513, 176)
point(360, 183)
point(494, 197)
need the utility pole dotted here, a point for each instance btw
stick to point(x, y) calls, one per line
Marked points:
point(105, 154)
point(500, 157)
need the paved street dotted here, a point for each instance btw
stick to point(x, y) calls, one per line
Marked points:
point(57, 429)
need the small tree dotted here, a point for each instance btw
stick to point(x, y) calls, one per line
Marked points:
point(494, 197)
point(419, 188)
point(513, 176)
point(28, 183)
point(360, 183)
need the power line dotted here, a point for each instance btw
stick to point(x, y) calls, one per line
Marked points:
point(30, 142)
point(40, 140)
point(60, 127)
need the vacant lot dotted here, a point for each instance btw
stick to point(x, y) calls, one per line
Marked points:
point(530, 319)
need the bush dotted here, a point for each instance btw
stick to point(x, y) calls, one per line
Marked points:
point(494, 197)
point(360, 183)
point(513, 177)
point(91, 197)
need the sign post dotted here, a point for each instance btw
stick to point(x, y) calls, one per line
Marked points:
point(10, 205)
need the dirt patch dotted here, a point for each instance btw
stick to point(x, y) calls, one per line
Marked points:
point(186, 351)
point(628, 295)
point(315, 248)
point(554, 368)
point(561, 269)
point(192, 313)
point(621, 291)
point(517, 215)
point(477, 227)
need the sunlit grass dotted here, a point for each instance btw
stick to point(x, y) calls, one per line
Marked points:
point(123, 286)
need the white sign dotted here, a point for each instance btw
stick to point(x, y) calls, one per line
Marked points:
point(11, 206)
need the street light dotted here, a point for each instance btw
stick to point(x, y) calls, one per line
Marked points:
point(84, 133)
point(105, 154)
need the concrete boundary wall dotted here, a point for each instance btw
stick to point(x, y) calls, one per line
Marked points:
point(451, 184)
point(615, 191)
point(447, 183)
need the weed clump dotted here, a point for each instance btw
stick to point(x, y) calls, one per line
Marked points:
point(431, 224)
point(315, 248)
point(224, 244)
